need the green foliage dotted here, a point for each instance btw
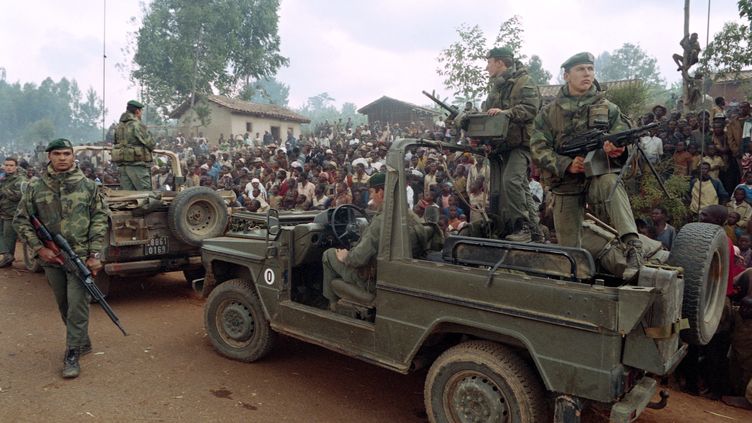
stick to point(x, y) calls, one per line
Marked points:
point(629, 61)
point(651, 195)
point(631, 98)
point(536, 71)
point(266, 91)
point(463, 63)
point(187, 47)
point(30, 114)
point(730, 50)
point(320, 108)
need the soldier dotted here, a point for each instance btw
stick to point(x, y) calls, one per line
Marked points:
point(70, 204)
point(11, 188)
point(579, 107)
point(132, 149)
point(354, 266)
point(513, 92)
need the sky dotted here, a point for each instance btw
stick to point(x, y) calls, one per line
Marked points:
point(354, 51)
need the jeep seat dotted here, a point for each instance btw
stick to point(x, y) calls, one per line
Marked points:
point(353, 293)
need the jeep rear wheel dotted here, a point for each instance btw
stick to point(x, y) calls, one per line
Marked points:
point(196, 214)
point(481, 381)
point(235, 322)
point(31, 262)
point(702, 250)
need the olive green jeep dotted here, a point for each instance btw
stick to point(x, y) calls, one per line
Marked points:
point(509, 332)
point(151, 232)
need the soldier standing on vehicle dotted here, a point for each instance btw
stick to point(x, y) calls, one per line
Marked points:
point(514, 93)
point(11, 188)
point(579, 107)
point(132, 148)
point(69, 204)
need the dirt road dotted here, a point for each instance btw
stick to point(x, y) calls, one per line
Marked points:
point(166, 369)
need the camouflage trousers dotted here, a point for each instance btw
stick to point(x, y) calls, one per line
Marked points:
point(334, 269)
point(135, 178)
point(8, 237)
point(73, 302)
point(569, 207)
point(515, 189)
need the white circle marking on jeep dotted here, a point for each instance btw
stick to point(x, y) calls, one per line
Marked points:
point(269, 276)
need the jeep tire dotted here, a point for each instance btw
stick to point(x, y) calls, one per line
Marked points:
point(483, 381)
point(197, 213)
point(235, 322)
point(702, 250)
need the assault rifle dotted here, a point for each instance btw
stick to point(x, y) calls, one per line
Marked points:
point(453, 111)
point(590, 145)
point(72, 262)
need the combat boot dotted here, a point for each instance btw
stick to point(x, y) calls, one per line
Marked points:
point(71, 367)
point(85, 349)
point(634, 258)
point(523, 234)
point(6, 261)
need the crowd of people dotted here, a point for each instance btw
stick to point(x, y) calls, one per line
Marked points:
point(331, 166)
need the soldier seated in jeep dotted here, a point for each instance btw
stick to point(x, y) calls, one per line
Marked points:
point(352, 271)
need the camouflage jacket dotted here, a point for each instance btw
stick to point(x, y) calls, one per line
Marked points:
point(11, 188)
point(133, 135)
point(566, 117)
point(516, 93)
point(67, 203)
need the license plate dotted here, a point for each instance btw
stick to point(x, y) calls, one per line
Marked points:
point(156, 246)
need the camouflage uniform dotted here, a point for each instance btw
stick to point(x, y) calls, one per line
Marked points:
point(131, 151)
point(70, 204)
point(11, 188)
point(565, 117)
point(358, 268)
point(516, 94)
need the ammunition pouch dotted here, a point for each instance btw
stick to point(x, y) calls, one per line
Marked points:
point(131, 153)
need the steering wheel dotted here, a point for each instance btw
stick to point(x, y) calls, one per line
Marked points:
point(344, 223)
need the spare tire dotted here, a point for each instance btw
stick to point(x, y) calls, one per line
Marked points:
point(702, 250)
point(197, 213)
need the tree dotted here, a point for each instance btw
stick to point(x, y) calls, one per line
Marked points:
point(463, 63)
point(536, 71)
point(730, 51)
point(630, 98)
point(629, 61)
point(31, 113)
point(188, 47)
point(266, 91)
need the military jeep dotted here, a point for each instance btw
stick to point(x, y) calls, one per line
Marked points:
point(509, 332)
point(151, 232)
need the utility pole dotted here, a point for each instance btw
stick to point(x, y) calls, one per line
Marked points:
point(685, 62)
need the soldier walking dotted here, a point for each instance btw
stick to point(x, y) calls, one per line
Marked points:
point(11, 188)
point(69, 204)
point(580, 106)
point(132, 149)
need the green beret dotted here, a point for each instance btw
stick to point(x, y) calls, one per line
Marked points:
point(58, 144)
point(578, 59)
point(136, 104)
point(377, 180)
point(500, 52)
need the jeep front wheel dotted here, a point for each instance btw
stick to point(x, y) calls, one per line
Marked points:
point(481, 381)
point(235, 322)
point(197, 213)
